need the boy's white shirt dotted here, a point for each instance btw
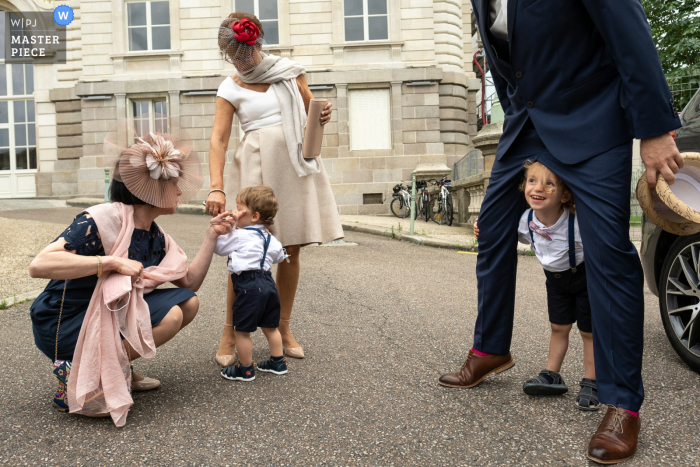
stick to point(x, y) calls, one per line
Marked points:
point(245, 249)
point(554, 254)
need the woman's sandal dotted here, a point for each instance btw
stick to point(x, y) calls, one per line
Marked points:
point(587, 398)
point(293, 352)
point(541, 385)
point(225, 360)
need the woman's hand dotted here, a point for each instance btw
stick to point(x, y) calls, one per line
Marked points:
point(476, 229)
point(125, 266)
point(222, 224)
point(216, 203)
point(326, 114)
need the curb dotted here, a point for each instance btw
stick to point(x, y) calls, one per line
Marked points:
point(419, 239)
point(23, 297)
point(87, 202)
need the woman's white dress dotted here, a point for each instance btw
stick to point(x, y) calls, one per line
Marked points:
point(307, 210)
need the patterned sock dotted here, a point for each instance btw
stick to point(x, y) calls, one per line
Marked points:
point(634, 414)
point(480, 353)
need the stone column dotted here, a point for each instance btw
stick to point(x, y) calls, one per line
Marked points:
point(487, 141)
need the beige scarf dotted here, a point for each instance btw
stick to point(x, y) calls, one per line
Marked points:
point(281, 74)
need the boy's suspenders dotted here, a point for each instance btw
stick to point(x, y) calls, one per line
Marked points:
point(266, 243)
point(572, 243)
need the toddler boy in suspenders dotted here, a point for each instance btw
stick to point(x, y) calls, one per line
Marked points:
point(551, 228)
point(251, 251)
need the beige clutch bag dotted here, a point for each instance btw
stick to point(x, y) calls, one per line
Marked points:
point(313, 137)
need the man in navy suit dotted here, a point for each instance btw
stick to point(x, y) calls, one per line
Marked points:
point(578, 81)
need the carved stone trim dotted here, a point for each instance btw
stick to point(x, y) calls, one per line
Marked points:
point(119, 60)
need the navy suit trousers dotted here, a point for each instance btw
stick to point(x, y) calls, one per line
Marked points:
point(601, 188)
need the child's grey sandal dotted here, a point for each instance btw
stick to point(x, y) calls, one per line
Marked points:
point(587, 398)
point(547, 383)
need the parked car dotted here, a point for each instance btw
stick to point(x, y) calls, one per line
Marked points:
point(672, 263)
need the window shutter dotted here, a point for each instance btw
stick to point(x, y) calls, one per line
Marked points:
point(370, 119)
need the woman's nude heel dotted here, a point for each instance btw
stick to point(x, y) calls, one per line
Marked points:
point(225, 360)
point(293, 352)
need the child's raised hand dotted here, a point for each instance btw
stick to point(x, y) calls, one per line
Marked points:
point(222, 224)
point(476, 229)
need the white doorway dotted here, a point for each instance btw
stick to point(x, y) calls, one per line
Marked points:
point(18, 153)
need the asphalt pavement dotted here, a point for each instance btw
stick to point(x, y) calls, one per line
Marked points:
point(379, 323)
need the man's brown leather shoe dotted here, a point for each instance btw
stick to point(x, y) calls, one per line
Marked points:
point(616, 438)
point(475, 368)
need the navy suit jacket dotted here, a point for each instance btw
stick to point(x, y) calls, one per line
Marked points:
point(586, 72)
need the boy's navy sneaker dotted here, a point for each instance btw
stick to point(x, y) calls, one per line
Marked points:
point(276, 365)
point(239, 372)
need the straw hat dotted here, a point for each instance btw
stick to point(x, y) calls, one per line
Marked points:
point(675, 208)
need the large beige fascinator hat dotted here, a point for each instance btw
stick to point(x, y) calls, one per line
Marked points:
point(160, 167)
point(675, 208)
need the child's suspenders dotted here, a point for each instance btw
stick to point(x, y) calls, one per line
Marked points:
point(572, 244)
point(266, 242)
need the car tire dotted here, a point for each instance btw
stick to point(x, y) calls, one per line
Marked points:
point(679, 298)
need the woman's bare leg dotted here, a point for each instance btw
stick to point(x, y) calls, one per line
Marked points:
point(227, 346)
point(287, 282)
point(163, 331)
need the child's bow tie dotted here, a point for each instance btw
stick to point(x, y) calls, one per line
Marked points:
point(542, 231)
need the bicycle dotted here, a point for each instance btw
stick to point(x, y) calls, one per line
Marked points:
point(423, 199)
point(443, 212)
point(401, 204)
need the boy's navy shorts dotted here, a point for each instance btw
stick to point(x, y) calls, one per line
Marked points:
point(567, 298)
point(257, 303)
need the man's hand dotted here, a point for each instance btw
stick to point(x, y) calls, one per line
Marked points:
point(476, 229)
point(660, 155)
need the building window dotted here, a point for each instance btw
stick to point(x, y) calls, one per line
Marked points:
point(148, 25)
point(150, 115)
point(370, 120)
point(266, 11)
point(366, 20)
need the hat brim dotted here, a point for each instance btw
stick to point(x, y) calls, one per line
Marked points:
point(664, 194)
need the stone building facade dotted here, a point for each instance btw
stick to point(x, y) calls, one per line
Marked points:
point(398, 73)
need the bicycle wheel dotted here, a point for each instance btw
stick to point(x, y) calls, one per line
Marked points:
point(399, 208)
point(426, 207)
point(449, 211)
point(419, 206)
point(436, 210)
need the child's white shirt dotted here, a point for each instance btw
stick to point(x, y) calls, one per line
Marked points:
point(553, 254)
point(245, 249)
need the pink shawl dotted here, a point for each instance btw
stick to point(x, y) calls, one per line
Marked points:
point(101, 376)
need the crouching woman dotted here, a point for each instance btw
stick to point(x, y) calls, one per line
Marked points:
point(102, 308)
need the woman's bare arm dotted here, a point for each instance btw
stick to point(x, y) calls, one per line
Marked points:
point(55, 262)
point(197, 270)
point(307, 96)
point(218, 144)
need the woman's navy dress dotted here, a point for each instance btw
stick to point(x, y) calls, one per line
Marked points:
point(147, 247)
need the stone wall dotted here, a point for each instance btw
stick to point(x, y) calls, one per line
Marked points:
point(431, 123)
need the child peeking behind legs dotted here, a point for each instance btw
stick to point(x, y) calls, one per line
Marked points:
point(251, 251)
point(551, 228)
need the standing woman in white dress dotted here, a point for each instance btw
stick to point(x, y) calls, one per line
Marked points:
point(271, 97)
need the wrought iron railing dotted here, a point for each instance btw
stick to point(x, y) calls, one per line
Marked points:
point(470, 165)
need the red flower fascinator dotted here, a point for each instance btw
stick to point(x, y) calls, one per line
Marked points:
point(246, 31)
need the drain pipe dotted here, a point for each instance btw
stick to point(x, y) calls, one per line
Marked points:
point(483, 89)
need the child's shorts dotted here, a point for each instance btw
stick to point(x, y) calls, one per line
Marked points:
point(567, 298)
point(257, 303)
